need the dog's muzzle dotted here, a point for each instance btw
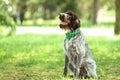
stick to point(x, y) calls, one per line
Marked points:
point(63, 18)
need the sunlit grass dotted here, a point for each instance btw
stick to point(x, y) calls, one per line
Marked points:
point(41, 57)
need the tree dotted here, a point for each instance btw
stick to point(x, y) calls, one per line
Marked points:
point(95, 11)
point(22, 9)
point(22, 13)
point(19, 6)
point(69, 5)
point(49, 9)
point(117, 23)
point(5, 19)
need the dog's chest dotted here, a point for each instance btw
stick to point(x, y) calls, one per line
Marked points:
point(69, 45)
point(74, 47)
point(70, 48)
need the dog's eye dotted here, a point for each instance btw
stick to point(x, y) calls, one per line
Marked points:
point(68, 17)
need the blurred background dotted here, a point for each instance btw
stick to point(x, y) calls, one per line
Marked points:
point(43, 13)
point(31, 40)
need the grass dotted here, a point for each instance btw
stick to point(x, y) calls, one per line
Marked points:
point(40, 57)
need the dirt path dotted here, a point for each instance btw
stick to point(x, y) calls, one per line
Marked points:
point(49, 30)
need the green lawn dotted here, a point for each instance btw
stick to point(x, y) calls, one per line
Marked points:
point(41, 57)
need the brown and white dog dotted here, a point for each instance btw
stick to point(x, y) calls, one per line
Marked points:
point(77, 54)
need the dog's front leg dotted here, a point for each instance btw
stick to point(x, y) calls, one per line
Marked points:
point(66, 65)
point(78, 62)
point(76, 72)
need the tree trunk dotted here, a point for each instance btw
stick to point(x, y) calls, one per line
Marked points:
point(22, 13)
point(117, 23)
point(95, 11)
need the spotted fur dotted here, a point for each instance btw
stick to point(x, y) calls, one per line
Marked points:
point(78, 57)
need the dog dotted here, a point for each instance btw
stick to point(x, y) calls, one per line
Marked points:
point(78, 57)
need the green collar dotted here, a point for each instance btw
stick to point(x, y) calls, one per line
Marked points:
point(72, 34)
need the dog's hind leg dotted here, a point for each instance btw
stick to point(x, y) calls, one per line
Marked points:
point(91, 68)
point(83, 73)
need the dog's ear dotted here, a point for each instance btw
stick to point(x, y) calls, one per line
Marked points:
point(76, 24)
point(74, 17)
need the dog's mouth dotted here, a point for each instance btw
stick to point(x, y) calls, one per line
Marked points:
point(63, 24)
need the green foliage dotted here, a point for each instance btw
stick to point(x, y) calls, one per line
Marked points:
point(67, 5)
point(5, 19)
point(109, 4)
point(49, 9)
point(41, 57)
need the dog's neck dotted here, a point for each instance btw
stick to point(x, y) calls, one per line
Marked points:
point(71, 34)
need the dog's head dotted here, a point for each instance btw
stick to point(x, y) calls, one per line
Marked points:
point(69, 21)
